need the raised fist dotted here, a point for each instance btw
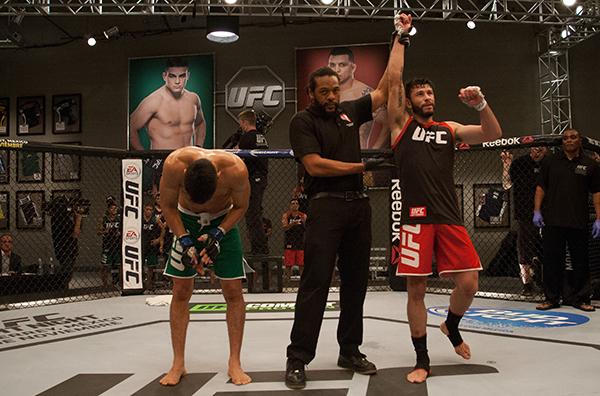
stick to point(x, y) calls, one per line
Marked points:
point(402, 23)
point(473, 97)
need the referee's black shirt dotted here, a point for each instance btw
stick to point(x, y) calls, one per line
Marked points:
point(333, 136)
point(567, 185)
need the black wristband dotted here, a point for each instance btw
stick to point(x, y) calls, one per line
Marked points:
point(404, 39)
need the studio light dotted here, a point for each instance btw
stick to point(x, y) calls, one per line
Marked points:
point(91, 41)
point(579, 10)
point(112, 32)
point(222, 29)
point(413, 31)
point(569, 3)
point(327, 2)
point(471, 25)
point(230, 2)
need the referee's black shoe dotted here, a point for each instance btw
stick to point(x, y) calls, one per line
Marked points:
point(295, 376)
point(357, 363)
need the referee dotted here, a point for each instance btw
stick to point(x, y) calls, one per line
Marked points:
point(561, 207)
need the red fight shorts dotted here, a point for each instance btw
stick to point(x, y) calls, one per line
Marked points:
point(454, 251)
point(293, 257)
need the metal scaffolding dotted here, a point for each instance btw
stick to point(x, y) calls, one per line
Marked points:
point(546, 12)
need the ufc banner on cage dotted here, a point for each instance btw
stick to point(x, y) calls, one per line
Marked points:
point(132, 225)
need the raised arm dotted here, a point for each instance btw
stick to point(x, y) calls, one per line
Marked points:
point(489, 128)
point(379, 97)
point(397, 114)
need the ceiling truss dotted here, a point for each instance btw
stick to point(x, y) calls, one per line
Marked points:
point(544, 12)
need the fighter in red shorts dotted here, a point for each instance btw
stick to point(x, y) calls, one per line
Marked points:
point(292, 221)
point(431, 221)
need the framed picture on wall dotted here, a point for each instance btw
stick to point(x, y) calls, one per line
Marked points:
point(4, 116)
point(30, 167)
point(66, 113)
point(4, 210)
point(4, 166)
point(29, 210)
point(460, 198)
point(66, 167)
point(69, 194)
point(491, 206)
point(30, 115)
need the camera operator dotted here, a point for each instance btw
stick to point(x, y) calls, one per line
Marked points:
point(252, 138)
point(65, 223)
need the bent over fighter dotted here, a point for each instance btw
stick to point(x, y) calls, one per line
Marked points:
point(204, 193)
point(431, 221)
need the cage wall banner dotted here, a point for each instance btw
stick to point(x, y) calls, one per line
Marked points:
point(160, 87)
point(360, 68)
point(132, 225)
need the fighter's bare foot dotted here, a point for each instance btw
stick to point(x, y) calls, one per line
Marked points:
point(173, 376)
point(463, 349)
point(238, 376)
point(417, 376)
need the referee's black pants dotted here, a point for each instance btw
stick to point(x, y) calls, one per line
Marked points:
point(334, 227)
point(555, 240)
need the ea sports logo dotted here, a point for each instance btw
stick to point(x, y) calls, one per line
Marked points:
point(132, 172)
point(257, 88)
point(132, 236)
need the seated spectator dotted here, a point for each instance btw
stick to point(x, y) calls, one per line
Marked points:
point(11, 262)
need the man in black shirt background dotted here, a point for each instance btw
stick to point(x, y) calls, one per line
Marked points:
point(258, 169)
point(561, 208)
point(521, 175)
point(325, 138)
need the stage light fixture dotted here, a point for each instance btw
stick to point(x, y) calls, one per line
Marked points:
point(91, 41)
point(112, 32)
point(412, 31)
point(579, 10)
point(471, 25)
point(569, 3)
point(327, 2)
point(231, 2)
point(222, 29)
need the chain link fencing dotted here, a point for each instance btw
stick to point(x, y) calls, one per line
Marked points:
point(60, 206)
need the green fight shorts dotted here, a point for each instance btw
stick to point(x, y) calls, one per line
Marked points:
point(229, 262)
point(110, 258)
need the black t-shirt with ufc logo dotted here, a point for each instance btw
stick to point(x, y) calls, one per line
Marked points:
point(424, 156)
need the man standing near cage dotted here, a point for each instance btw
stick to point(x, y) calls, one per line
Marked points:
point(521, 176)
point(431, 221)
point(204, 194)
point(561, 208)
point(325, 138)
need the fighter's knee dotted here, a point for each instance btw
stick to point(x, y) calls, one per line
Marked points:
point(416, 288)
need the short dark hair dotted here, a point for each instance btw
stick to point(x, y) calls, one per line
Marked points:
point(176, 62)
point(572, 130)
point(248, 115)
point(417, 82)
point(320, 72)
point(200, 180)
point(342, 51)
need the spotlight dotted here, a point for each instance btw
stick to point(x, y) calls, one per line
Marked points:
point(230, 2)
point(91, 41)
point(565, 33)
point(413, 31)
point(327, 2)
point(222, 29)
point(569, 3)
point(112, 32)
point(579, 10)
point(471, 25)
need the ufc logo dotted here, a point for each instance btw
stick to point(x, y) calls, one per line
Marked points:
point(423, 135)
point(246, 96)
point(409, 251)
point(419, 211)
